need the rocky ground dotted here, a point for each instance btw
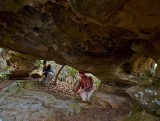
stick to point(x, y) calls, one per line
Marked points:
point(27, 101)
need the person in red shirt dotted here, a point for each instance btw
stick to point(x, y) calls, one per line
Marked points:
point(85, 86)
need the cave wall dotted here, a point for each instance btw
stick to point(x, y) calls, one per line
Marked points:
point(100, 37)
point(16, 65)
point(94, 36)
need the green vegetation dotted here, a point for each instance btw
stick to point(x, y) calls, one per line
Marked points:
point(72, 72)
point(4, 73)
point(37, 64)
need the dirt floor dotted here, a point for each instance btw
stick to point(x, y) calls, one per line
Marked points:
point(92, 114)
point(88, 112)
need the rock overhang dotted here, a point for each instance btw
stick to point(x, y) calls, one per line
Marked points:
point(96, 36)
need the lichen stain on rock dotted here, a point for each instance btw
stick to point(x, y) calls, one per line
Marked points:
point(148, 97)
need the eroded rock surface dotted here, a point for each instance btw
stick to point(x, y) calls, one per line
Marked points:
point(3, 58)
point(21, 65)
point(139, 115)
point(148, 97)
point(111, 100)
point(96, 36)
point(16, 65)
point(19, 103)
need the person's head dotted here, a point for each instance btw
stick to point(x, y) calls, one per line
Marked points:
point(45, 63)
point(82, 74)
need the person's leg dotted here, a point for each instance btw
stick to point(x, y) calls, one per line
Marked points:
point(43, 80)
point(49, 77)
point(89, 94)
point(84, 96)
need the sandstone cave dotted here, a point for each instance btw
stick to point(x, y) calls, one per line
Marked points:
point(115, 40)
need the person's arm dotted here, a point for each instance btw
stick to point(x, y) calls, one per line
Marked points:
point(43, 72)
point(78, 85)
point(49, 69)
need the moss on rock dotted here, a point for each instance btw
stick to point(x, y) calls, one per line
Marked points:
point(139, 115)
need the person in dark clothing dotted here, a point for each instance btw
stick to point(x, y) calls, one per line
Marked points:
point(48, 73)
point(85, 87)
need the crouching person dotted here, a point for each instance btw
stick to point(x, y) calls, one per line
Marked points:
point(85, 87)
point(48, 73)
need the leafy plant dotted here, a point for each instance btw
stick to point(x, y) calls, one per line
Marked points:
point(37, 64)
point(3, 75)
point(72, 72)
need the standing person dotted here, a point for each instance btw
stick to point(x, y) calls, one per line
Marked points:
point(48, 73)
point(85, 87)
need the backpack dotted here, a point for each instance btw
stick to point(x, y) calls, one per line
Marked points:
point(87, 81)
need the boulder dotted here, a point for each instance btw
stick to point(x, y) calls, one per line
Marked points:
point(148, 97)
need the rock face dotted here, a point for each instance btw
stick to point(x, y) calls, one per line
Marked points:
point(138, 115)
point(17, 65)
point(148, 97)
point(21, 65)
point(3, 57)
point(98, 37)
point(19, 102)
point(111, 100)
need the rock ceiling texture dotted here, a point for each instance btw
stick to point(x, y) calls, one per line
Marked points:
point(98, 36)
